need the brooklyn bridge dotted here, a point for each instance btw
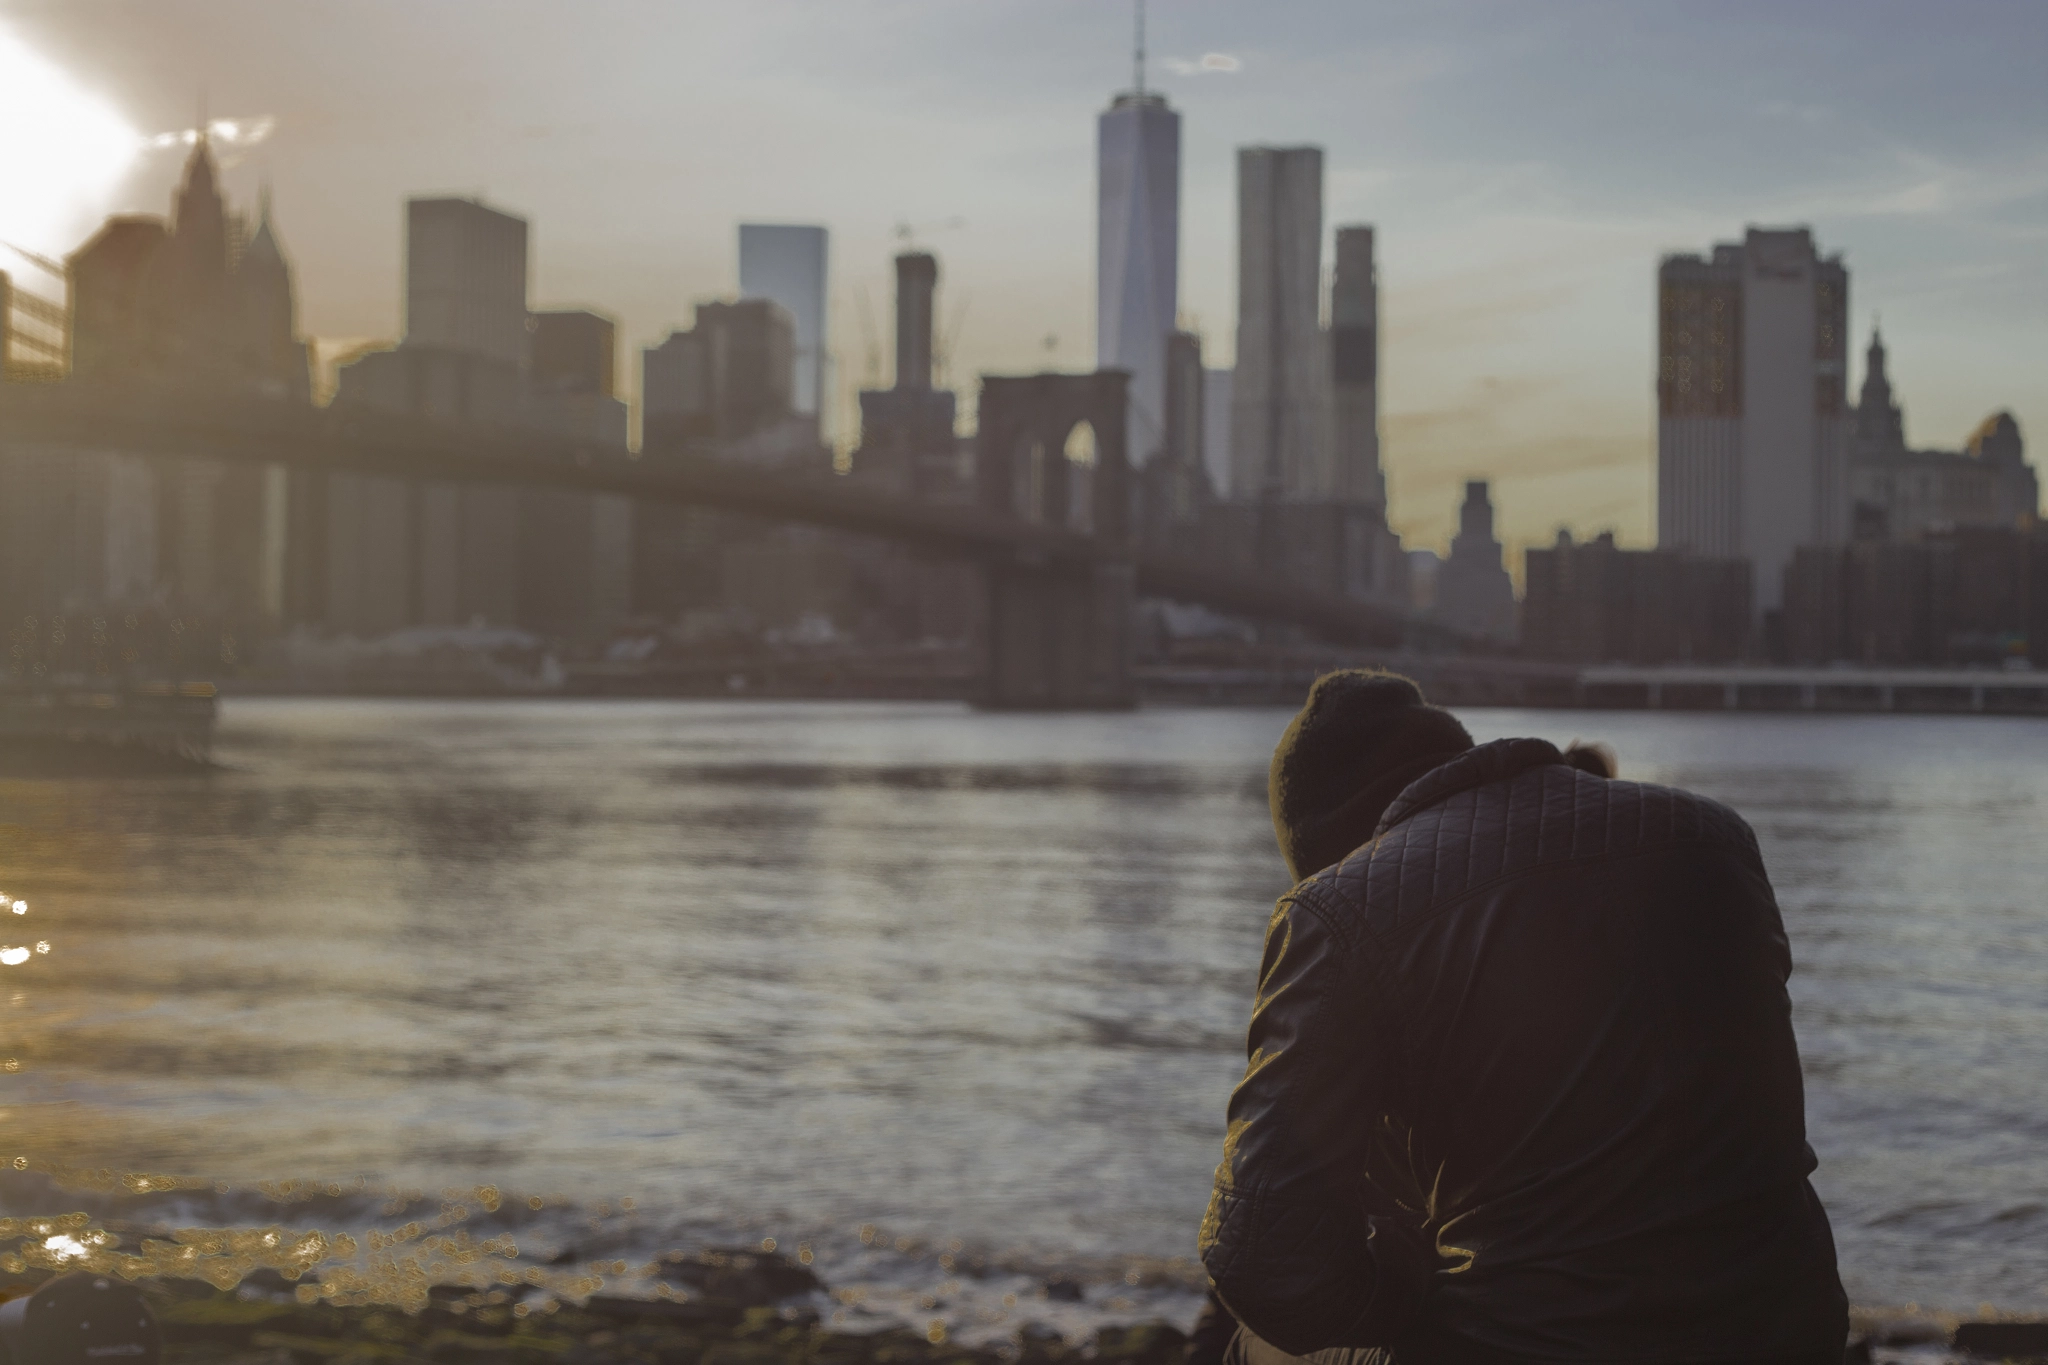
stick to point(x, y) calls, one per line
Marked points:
point(1060, 585)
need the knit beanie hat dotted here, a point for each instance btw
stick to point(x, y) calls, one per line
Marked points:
point(1363, 736)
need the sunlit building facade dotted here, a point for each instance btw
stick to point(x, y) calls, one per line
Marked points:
point(1753, 429)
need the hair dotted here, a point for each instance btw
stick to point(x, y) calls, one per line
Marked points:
point(1362, 736)
point(1597, 759)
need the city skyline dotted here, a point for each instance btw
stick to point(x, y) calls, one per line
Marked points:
point(1518, 291)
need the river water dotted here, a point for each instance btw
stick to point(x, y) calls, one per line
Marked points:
point(922, 990)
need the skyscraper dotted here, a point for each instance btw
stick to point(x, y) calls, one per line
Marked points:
point(465, 279)
point(1216, 407)
point(917, 285)
point(575, 549)
point(1752, 430)
point(907, 443)
point(1355, 371)
point(1276, 450)
point(400, 553)
point(786, 262)
point(1137, 253)
point(1473, 593)
point(721, 382)
point(196, 303)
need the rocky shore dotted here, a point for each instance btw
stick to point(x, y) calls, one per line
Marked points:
point(764, 1316)
point(266, 1323)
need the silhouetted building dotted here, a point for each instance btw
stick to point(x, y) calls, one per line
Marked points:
point(466, 280)
point(725, 382)
point(907, 441)
point(1217, 386)
point(574, 352)
point(1424, 566)
point(575, 556)
point(785, 262)
point(266, 346)
point(1137, 255)
point(199, 303)
point(908, 448)
point(1276, 448)
point(398, 552)
point(723, 390)
point(1473, 593)
point(195, 265)
point(1355, 411)
point(917, 292)
point(1355, 370)
point(117, 315)
point(1172, 490)
point(1900, 493)
point(1597, 603)
point(1971, 595)
point(1752, 433)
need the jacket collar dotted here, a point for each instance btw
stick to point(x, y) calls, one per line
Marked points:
point(1493, 762)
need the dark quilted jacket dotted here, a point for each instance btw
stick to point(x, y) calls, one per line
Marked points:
point(1523, 1087)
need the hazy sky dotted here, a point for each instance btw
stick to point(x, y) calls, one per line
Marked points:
point(1525, 162)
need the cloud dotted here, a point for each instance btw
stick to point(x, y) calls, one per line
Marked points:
point(1918, 184)
point(1208, 64)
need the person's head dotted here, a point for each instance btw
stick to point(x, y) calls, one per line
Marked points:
point(1363, 736)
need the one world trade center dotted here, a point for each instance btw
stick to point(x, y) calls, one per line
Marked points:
point(1137, 261)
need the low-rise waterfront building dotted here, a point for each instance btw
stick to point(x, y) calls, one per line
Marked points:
point(1597, 603)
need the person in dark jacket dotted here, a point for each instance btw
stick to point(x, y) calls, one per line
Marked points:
point(1522, 1081)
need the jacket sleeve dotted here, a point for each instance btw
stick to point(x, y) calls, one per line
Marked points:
point(1288, 1239)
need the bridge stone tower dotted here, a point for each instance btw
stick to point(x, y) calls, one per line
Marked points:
point(1051, 449)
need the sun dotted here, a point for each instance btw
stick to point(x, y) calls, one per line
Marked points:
point(62, 151)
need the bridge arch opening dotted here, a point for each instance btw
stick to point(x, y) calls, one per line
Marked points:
point(1080, 446)
point(1079, 480)
point(1079, 513)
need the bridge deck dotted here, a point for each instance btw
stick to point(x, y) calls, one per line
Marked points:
point(355, 440)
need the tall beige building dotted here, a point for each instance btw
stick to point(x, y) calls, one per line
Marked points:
point(1753, 429)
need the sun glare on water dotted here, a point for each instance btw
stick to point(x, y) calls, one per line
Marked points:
point(62, 151)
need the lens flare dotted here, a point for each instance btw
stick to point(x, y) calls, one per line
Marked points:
point(63, 149)
point(231, 137)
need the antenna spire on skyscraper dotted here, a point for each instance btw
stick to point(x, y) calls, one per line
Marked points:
point(1138, 50)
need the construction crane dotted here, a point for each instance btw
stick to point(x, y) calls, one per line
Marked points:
point(908, 232)
point(947, 339)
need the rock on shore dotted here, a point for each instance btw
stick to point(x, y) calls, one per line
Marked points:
point(206, 1326)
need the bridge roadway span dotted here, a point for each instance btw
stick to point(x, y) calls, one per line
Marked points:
point(360, 441)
